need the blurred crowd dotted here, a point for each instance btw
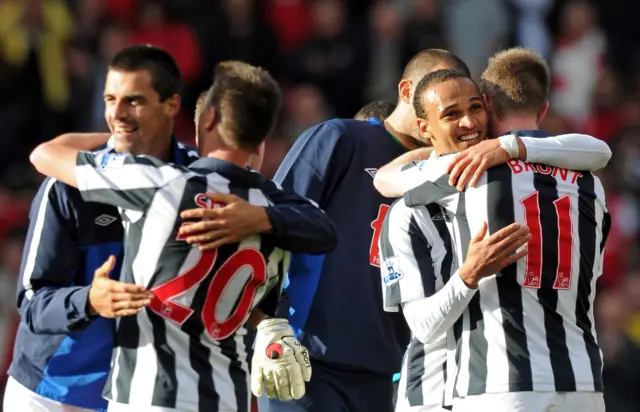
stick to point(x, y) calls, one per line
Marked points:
point(331, 57)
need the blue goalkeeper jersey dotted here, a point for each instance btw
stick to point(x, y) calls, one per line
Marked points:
point(61, 352)
point(334, 300)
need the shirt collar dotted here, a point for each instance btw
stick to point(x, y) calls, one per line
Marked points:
point(240, 176)
point(177, 155)
point(529, 133)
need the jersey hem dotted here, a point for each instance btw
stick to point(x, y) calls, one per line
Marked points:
point(534, 387)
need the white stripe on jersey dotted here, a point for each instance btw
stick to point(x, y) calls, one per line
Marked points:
point(538, 337)
point(406, 235)
point(165, 356)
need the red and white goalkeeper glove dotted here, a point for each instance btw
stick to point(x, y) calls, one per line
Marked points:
point(280, 363)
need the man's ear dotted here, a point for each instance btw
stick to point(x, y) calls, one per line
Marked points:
point(424, 129)
point(172, 106)
point(209, 114)
point(404, 91)
point(543, 112)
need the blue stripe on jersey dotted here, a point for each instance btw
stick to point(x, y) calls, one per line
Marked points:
point(301, 288)
point(82, 360)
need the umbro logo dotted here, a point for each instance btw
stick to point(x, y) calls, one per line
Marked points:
point(438, 216)
point(105, 220)
point(372, 171)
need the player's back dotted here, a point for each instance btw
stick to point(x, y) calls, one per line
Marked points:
point(186, 350)
point(334, 163)
point(533, 323)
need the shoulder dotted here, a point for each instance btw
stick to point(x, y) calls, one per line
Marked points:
point(342, 129)
point(190, 153)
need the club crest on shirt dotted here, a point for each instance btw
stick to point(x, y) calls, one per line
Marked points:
point(112, 160)
point(391, 270)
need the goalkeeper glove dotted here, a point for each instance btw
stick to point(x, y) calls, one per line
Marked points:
point(280, 363)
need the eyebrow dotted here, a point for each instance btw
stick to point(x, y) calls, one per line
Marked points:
point(128, 97)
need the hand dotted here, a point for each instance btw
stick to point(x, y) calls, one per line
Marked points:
point(280, 363)
point(112, 299)
point(224, 225)
point(488, 255)
point(469, 165)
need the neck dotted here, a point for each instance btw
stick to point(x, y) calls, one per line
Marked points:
point(517, 122)
point(397, 127)
point(237, 157)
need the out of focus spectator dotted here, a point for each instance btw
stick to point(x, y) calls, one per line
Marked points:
point(334, 57)
point(34, 83)
point(620, 349)
point(531, 28)
point(423, 29)
point(467, 21)
point(577, 61)
point(385, 52)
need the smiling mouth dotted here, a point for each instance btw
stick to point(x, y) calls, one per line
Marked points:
point(469, 137)
point(125, 129)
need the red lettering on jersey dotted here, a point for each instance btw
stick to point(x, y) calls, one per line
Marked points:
point(543, 169)
point(575, 177)
point(164, 305)
point(533, 270)
point(565, 243)
point(515, 166)
point(204, 202)
point(564, 173)
point(533, 266)
point(376, 225)
point(518, 167)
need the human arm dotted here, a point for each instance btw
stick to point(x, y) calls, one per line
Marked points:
point(292, 222)
point(57, 158)
point(280, 364)
point(48, 299)
point(569, 151)
point(416, 269)
point(390, 180)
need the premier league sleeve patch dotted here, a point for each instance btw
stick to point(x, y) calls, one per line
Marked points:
point(391, 270)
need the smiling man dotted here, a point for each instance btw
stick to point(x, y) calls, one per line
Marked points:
point(532, 321)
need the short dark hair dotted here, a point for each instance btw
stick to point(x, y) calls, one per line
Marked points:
point(424, 62)
point(378, 109)
point(429, 79)
point(165, 74)
point(247, 102)
point(516, 80)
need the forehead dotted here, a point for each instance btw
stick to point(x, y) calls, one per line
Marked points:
point(124, 83)
point(449, 92)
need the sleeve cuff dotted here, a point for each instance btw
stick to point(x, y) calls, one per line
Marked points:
point(277, 222)
point(77, 315)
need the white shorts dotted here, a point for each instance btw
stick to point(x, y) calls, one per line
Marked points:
point(532, 402)
point(17, 398)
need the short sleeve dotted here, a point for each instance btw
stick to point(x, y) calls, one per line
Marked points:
point(121, 180)
point(430, 183)
point(407, 268)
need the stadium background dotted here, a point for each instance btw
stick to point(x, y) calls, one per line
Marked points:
point(331, 57)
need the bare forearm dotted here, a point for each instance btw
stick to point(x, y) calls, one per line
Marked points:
point(57, 158)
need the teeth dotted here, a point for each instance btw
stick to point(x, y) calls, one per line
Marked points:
point(468, 137)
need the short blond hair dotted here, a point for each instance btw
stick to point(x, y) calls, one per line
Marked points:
point(516, 81)
point(199, 106)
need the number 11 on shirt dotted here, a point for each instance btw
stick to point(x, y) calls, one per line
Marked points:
point(374, 250)
point(533, 271)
